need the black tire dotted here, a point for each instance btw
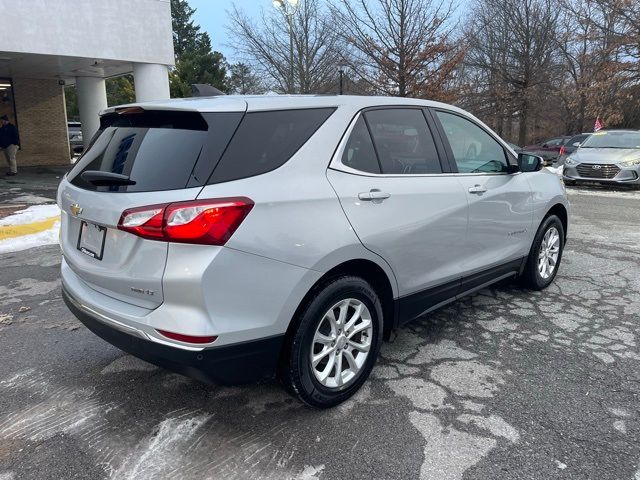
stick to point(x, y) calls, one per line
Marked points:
point(531, 276)
point(296, 371)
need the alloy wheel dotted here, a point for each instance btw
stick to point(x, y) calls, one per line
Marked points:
point(341, 343)
point(549, 253)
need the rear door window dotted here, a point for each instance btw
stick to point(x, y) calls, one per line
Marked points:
point(158, 150)
point(359, 153)
point(403, 141)
point(267, 140)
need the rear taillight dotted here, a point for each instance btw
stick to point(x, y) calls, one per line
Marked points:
point(209, 222)
point(563, 150)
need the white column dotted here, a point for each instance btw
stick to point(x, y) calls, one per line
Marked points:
point(151, 81)
point(92, 98)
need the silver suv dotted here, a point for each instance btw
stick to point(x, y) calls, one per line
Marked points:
point(233, 238)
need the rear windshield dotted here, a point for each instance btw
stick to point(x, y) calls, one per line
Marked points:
point(158, 150)
point(266, 140)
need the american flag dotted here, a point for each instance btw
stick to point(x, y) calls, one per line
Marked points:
point(598, 125)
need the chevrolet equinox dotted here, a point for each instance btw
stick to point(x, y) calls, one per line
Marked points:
point(233, 238)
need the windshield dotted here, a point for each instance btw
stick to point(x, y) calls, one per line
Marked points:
point(613, 140)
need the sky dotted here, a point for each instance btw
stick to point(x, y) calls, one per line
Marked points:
point(212, 17)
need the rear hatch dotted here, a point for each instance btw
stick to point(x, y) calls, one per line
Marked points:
point(138, 158)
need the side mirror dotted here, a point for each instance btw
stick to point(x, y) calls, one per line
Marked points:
point(530, 163)
point(576, 144)
point(546, 145)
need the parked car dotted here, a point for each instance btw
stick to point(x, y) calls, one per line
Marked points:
point(516, 148)
point(571, 146)
point(606, 157)
point(75, 137)
point(232, 238)
point(549, 149)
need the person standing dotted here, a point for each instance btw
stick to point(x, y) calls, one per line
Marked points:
point(9, 143)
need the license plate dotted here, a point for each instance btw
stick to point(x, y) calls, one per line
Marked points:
point(91, 240)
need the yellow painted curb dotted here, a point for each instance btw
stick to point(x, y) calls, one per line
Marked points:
point(12, 231)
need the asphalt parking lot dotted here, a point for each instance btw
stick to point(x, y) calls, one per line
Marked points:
point(505, 384)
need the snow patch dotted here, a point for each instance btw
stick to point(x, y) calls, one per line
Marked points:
point(603, 193)
point(556, 170)
point(162, 450)
point(35, 213)
point(47, 237)
point(31, 199)
point(311, 473)
point(620, 426)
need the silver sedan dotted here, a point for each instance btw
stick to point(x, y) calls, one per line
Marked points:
point(607, 156)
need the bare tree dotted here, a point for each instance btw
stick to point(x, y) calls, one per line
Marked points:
point(602, 58)
point(488, 92)
point(296, 51)
point(400, 47)
point(585, 56)
point(513, 42)
point(618, 22)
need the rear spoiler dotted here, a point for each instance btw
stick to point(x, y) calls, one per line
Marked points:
point(205, 90)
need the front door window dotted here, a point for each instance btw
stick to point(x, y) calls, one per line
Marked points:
point(474, 150)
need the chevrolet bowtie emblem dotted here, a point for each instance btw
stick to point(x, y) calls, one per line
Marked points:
point(75, 209)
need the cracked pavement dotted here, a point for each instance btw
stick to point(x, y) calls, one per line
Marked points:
point(506, 384)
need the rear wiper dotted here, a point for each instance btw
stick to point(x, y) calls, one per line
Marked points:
point(103, 179)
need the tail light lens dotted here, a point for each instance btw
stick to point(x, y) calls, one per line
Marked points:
point(563, 150)
point(208, 222)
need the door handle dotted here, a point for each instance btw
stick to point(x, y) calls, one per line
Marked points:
point(477, 189)
point(373, 194)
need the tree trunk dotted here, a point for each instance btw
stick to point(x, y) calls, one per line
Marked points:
point(522, 131)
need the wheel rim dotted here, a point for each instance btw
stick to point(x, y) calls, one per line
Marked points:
point(341, 343)
point(549, 253)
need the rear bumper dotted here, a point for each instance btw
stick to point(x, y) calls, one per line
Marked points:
point(229, 364)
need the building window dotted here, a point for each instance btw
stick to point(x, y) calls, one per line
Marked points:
point(7, 105)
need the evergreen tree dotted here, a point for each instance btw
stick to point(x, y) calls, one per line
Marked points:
point(185, 32)
point(243, 80)
point(71, 101)
point(196, 62)
point(120, 90)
